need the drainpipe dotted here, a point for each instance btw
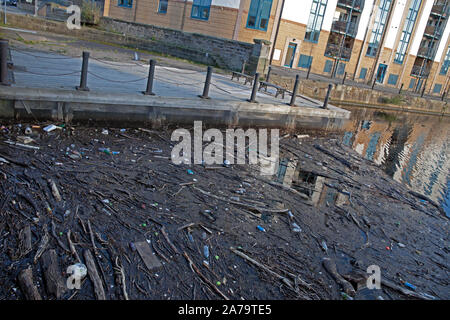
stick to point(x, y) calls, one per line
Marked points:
point(276, 33)
point(381, 46)
point(184, 15)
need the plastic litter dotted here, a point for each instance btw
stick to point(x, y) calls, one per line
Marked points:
point(261, 228)
point(50, 128)
point(226, 163)
point(296, 227)
point(189, 171)
point(206, 252)
point(78, 269)
point(409, 285)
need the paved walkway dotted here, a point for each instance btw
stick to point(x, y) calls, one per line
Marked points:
point(48, 70)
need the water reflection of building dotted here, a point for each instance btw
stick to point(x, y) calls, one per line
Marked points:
point(412, 150)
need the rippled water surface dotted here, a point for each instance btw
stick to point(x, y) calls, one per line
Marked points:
point(413, 149)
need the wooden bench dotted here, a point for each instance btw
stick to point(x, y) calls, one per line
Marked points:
point(239, 75)
point(280, 90)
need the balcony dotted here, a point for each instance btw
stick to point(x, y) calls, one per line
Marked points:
point(433, 31)
point(333, 50)
point(440, 9)
point(419, 71)
point(356, 5)
point(344, 27)
point(426, 52)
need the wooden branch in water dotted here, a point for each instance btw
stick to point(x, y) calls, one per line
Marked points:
point(263, 267)
point(330, 266)
point(166, 236)
point(25, 280)
point(93, 275)
point(195, 269)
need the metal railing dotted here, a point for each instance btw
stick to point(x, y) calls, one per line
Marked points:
point(426, 52)
point(333, 50)
point(355, 4)
point(420, 71)
point(344, 27)
point(440, 8)
point(433, 31)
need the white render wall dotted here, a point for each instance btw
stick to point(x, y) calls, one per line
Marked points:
point(364, 19)
point(297, 10)
point(396, 25)
point(329, 15)
point(421, 27)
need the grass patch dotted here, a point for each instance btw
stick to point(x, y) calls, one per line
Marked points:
point(395, 100)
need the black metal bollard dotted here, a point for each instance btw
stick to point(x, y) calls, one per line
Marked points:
point(373, 84)
point(268, 74)
point(207, 84)
point(294, 91)
point(327, 97)
point(443, 96)
point(309, 70)
point(345, 76)
point(84, 72)
point(255, 88)
point(401, 88)
point(423, 91)
point(4, 63)
point(151, 76)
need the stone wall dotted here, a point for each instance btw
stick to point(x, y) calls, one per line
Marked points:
point(351, 95)
point(224, 53)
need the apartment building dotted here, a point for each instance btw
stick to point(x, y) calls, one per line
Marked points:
point(397, 43)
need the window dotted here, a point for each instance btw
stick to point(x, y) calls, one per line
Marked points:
point(200, 9)
point(393, 78)
point(259, 14)
point(363, 73)
point(126, 3)
point(315, 20)
point(446, 63)
point(304, 61)
point(163, 6)
point(412, 83)
point(378, 27)
point(328, 66)
point(437, 88)
point(407, 30)
point(341, 68)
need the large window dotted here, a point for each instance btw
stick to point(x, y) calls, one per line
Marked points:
point(259, 14)
point(315, 20)
point(378, 27)
point(407, 31)
point(163, 6)
point(446, 64)
point(125, 3)
point(200, 9)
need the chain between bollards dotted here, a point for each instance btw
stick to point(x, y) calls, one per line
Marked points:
point(151, 76)
point(84, 72)
point(205, 94)
point(327, 97)
point(294, 91)
point(254, 89)
point(4, 63)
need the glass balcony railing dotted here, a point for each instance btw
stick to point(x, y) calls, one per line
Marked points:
point(426, 52)
point(433, 31)
point(333, 50)
point(344, 27)
point(355, 4)
point(420, 71)
point(440, 8)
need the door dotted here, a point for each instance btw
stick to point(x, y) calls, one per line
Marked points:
point(290, 55)
point(381, 72)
